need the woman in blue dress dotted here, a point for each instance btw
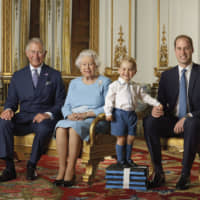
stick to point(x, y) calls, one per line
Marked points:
point(84, 101)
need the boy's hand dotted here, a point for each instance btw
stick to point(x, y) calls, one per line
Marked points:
point(109, 118)
point(157, 111)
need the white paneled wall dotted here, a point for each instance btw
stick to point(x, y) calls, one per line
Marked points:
point(114, 14)
point(184, 19)
point(179, 17)
point(146, 40)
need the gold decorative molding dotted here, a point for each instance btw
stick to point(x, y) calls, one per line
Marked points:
point(57, 56)
point(16, 60)
point(163, 57)
point(48, 58)
point(24, 34)
point(55, 27)
point(43, 21)
point(158, 34)
point(120, 50)
point(130, 27)
point(66, 47)
point(94, 25)
point(163, 50)
point(120, 53)
point(111, 32)
point(7, 37)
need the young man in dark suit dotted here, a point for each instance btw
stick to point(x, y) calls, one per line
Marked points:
point(179, 94)
point(39, 92)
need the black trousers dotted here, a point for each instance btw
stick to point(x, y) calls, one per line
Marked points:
point(155, 128)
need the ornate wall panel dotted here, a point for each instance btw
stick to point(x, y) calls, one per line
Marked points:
point(55, 31)
point(15, 31)
point(14, 35)
point(7, 37)
point(94, 25)
point(116, 17)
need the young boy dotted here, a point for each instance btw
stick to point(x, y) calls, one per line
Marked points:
point(120, 105)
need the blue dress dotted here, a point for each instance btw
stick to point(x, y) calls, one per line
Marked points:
point(82, 98)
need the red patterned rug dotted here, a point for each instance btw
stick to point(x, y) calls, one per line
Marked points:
point(43, 189)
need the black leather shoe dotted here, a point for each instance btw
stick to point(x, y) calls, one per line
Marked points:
point(8, 175)
point(69, 183)
point(58, 182)
point(31, 173)
point(183, 182)
point(122, 165)
point(131, 163)
point(158, 179)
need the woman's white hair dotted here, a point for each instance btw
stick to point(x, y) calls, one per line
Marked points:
point(87, 52)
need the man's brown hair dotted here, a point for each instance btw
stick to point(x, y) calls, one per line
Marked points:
point(186, 37)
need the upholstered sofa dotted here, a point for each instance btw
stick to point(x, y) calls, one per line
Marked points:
point(99, 146)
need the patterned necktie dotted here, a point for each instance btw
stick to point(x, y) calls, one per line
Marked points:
point(182, 95)
point(35, 77)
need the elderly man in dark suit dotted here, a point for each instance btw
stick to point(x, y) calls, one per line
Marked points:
point(180, 96)
point(40, 93)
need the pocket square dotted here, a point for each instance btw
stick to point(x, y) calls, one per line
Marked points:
point(48, 83)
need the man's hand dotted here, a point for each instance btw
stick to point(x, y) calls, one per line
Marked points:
point(40, 117)
point(7, 114)
point(109, 118)
point(157, 111)
point(178, 128)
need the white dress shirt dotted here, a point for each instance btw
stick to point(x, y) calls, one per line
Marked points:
point(38, 69)
point(187, 77)
point(118, 96)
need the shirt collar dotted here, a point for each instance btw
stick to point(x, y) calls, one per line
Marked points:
point(188, 68)
point(38, 68)
point(122, 81)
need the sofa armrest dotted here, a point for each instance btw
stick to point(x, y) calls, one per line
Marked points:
point(100, 117)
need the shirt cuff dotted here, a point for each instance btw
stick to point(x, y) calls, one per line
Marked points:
point(189, 115)
point(50, 114)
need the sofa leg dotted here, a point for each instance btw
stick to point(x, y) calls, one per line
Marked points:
point(19, 156)
point(90, 171)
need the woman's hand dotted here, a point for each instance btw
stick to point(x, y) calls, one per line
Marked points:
point(77, 116)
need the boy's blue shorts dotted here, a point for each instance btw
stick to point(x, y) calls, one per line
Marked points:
point(124, 123)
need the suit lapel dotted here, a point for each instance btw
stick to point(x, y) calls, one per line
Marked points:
point(194, 75)
point(28, 79)
point(175, 82)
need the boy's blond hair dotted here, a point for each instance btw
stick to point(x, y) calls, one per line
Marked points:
point(130, 60)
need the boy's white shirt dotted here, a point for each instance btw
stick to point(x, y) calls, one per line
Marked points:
point(118, 96)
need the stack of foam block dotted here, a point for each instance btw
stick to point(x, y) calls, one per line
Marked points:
point(135, 178)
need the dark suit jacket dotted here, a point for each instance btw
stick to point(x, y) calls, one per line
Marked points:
point(169, 90)
point(47, 97)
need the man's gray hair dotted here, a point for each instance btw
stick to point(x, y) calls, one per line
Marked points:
point(35, 40)
point(87, 52)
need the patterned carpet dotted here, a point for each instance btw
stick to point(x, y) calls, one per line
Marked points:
point(43, 189)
